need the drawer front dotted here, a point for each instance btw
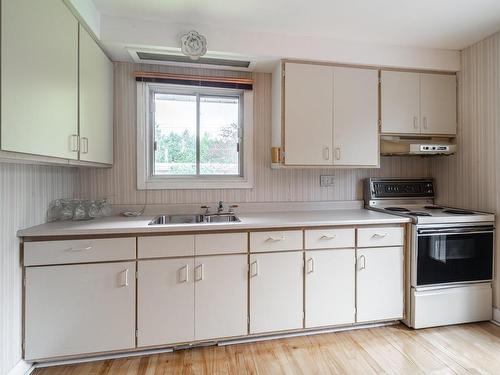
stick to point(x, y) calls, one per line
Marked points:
point(275, 241)
point(78, 251)
point(330, 238)
point(221, 243)
point(383, 236)
point(165, 246)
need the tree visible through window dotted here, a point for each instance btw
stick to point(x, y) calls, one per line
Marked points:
point(197, 134)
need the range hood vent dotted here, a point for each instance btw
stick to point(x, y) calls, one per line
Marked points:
point(395, 145)
point(172, 58)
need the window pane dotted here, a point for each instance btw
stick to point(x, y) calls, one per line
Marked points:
point(219, 127)
point(175, 134)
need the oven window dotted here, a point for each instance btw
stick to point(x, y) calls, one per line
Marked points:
point(448, 258)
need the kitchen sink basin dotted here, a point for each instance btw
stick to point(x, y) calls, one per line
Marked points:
point(194, 219)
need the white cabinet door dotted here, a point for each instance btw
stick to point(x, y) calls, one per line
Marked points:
point(77, 309)
point(39, 65)
point(96, 102)
point(329, 287)
point(379, 284)
point(355, 117)
point(400, 102)
point(276, 292)
point(438, 103)
point(221, 285)
point(165, 301)
point(308, 114)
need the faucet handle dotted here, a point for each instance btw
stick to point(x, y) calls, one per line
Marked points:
point(232, 207)
point(206, 208)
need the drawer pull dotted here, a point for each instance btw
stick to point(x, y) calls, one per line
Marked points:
point(79, 248)
point(275, 239)
point(254, 269)
point(328, 237)
point(184, 274)
point(124, 278)
point(379, 235)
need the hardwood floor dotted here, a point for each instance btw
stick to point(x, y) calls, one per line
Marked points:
point(464, 349)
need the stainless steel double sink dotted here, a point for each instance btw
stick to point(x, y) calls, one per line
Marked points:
point(194, 219)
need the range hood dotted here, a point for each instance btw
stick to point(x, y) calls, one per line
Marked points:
point(400, 145)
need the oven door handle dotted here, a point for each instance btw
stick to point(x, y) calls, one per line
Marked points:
point(451, 231)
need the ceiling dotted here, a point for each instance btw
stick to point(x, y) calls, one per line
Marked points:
point(443, 24)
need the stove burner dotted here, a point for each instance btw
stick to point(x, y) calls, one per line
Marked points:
point(397, 209)
point(455, 211)
point(433, 207)
point(419, 213)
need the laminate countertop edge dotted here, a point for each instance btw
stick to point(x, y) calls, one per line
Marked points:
point(119, 225)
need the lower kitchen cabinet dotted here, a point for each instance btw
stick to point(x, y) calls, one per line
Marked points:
point(221, 291)
point(78, 309)
point(276, 291)
point(329, 287)
point(379, 284)
point(165, 301)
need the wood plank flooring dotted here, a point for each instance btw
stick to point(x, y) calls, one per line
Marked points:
point(463, 349)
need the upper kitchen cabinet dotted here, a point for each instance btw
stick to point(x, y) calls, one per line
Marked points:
point(438, 103)
point(39, 78)
point(355, 117)
point(96, 102)
point(400, 102)
point(330, 115)
point(308, 114)
point(418, 103)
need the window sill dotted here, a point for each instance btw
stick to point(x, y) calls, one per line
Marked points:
point(192, 184)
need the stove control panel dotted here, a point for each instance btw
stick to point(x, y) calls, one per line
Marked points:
point(376, 188)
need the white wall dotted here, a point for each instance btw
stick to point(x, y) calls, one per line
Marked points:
point(471, 178)
point(25, 192)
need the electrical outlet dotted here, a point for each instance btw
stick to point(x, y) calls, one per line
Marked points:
point(326, 181)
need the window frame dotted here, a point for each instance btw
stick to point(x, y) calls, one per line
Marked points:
point(146, 179)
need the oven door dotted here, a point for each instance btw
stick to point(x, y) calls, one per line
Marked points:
point(454, 255)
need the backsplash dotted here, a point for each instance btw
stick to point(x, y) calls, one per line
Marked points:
point(119, 182)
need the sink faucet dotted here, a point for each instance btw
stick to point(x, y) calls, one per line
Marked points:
point(220, 207)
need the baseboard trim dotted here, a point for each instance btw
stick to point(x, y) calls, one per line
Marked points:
point(102, 357)
point(496, 316)
point(22, 368)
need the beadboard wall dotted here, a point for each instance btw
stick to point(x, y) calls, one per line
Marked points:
point(119, 182)
point(25, 192)
point(471, 178)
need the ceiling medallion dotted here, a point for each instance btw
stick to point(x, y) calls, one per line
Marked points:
point(193, 45)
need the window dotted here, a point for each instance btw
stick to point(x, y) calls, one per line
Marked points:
point(193, 137)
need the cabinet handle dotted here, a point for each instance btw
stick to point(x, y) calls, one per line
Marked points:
point(415, 122)
point(200, 278)
point(275, 239)
point(310, 266)
point(425, 122)
point(337, 153)
point(254, 269)
point(124, 278)
point(79, 248)
point(85, 145)
point(184, 271)
point(326, 153)
point(364, 262)
point(379, 235)
point(74, 142)
point(328, 237)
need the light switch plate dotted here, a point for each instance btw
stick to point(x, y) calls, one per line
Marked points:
point(326, 181)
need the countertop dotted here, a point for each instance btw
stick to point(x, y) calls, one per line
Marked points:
point(115, 225)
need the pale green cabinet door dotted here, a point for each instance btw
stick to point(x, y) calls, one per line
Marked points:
point(39, 81)
point(96, 102)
